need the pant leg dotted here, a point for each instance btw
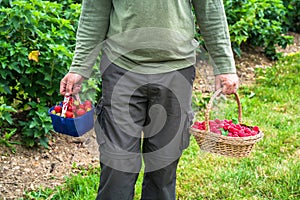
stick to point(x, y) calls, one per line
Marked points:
point(115, 184)
point(170, 110)
point(121, 116)
point(160, 184)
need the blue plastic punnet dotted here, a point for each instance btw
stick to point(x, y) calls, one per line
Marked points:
point(75, 127)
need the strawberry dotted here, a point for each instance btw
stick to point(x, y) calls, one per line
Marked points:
point(212, 123)
point(218, 131)
point(87, 103)
point(214, 130)
point(256, 129)
point(253, 133)
point(232, 129)
point(218, 121)
point(247, 130)
point(70, 108)
point(226, 127)
point(198, 125)
point(81, 106)
point(69, 114)
point(80, 112)
point(238, 127)
point(241, 134)
point(71, 100)
point(228, 121)
point(58, 109)
point(74, 108)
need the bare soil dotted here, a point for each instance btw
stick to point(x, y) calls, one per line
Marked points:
point(29, 169)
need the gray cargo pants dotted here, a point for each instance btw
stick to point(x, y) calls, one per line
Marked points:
point(142, 116)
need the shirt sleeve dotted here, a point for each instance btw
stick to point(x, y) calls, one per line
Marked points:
point(92, 29)
point(211, 18)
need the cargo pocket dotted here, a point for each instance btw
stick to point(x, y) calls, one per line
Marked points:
point(99, 125)
point(186, 130)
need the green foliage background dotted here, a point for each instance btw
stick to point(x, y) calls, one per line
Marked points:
point(29, 88)
point(256, 22)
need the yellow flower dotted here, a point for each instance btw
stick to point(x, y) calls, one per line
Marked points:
point(34, 55)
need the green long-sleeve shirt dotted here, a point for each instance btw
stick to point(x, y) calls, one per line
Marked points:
point(151, 36)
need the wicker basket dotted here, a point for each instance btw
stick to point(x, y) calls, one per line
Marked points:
point(224, 145)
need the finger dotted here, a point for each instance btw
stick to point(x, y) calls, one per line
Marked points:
point(69, 87)
point(62, 87)
point(76, 88)
point(218, 83)
point(225, 90)
point(230, 88)
point(235, 88)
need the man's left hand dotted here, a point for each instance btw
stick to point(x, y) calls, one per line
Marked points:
point(228, 82)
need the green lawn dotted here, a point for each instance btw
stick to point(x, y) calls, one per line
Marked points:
point(271, 172)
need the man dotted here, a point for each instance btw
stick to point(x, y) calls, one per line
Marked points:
point(147, 71)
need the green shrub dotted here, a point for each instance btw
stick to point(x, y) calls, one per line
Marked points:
point(261, 23)
point(32, 86)
point(292, 21)
point(257, 22)
point(5, 121)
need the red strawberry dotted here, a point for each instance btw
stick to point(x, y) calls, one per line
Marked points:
point(199, 125)
point(238, 127)
point(74, 108)
point(242, 134)
point(212, 123)
point(70, 108)
point(58, 109)
point(226, 127)
point(253, 133)
point(247, 130)
point(228, 121)
point(256, 129)
point(232, 130)
point(81, 106)
point(69, 114)
point(87, 103)
point(214, 130)
point(218, 121)
point(87, 108)
point(80, 112)
point(71, 100)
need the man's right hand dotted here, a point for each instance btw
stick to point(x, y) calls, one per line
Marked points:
point(71, 84)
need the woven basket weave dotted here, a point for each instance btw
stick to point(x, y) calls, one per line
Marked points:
point(224, 145)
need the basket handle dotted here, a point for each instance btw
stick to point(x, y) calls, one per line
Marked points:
point(66, 101)
point(210, 104)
